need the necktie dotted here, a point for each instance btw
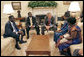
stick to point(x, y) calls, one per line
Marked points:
point(30, 20)
point(49, 21)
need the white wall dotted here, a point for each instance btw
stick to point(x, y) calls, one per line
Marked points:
point(58, 11)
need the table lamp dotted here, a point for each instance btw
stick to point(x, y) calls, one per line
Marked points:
point(74, 8)
point(8, 9)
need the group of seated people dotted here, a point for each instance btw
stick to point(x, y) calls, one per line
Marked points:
point(11, 29)
point(73, 33)
point(69, 27)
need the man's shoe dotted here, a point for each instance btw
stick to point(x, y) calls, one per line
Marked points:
point(27, 37)
point(43, 34)
point(17, 47)
point(38, 34)
point(22, 42)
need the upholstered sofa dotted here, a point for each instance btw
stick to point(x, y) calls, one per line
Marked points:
point(7, 44)
point(78, 46)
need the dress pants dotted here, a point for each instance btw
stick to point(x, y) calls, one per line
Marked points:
point(37, 30)
point(54, 28)
point(16, 36)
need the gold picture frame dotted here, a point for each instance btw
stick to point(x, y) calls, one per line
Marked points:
point(16, 5)
point(67, 2)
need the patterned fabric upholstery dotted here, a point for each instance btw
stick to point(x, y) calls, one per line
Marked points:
point(7, 46)
point(78, 46)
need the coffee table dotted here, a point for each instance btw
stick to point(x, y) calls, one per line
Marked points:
point(39, 45)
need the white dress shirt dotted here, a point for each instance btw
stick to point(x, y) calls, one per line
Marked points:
point(30, 21)
point(14, 29)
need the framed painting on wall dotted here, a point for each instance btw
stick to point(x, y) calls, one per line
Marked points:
point(16, 5)
point(67, 2)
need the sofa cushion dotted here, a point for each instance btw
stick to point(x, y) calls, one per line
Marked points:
point(7, 46)
point(2, 30)
point(3, 22)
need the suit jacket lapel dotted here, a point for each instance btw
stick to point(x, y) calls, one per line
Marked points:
point(10, 25)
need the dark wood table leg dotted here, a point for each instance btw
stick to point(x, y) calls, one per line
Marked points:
point(49, 53)
point(27, 53)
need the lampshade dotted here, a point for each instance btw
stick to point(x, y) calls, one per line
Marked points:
point(8, 9)
point(74, 7)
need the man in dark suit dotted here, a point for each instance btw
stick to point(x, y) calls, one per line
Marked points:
point(31, 23)
point(11, 30)
point(49, 23)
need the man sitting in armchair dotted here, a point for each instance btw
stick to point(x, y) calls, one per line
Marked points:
point(49, 23)
point(31, 23)
point(11, 30)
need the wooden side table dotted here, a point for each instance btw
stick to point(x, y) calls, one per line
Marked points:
point(20, 23)
point(20, 18)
